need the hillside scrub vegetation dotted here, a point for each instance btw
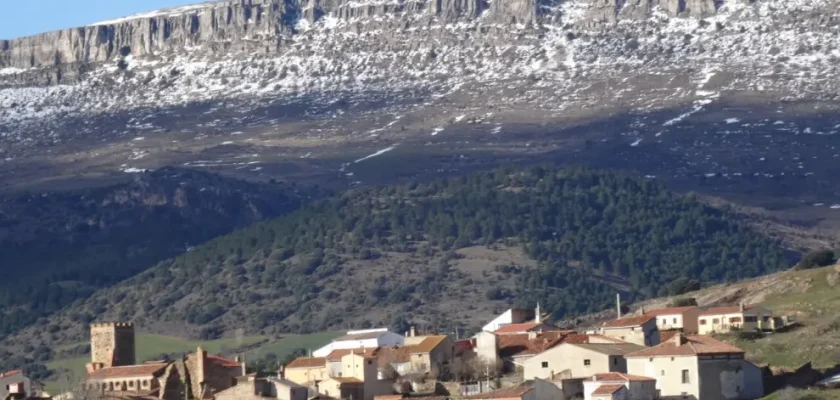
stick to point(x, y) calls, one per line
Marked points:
point(366, 256)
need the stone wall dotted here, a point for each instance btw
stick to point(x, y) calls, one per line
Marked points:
point(112, 344)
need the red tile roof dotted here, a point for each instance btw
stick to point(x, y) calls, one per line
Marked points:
point(726, 309)
point(669, 311)
point(516, 345)
point(127, 371)
point(224, 362)
point(506, 393)
point(628, 322)
point(665, 336)
point(607, 390)
point(519, 344)
point(308, 362)
point(348, 381)
point(10, 373)
point(681, 345)
point(621, 377)
point(428, 344)
point(336, 355)
point(517, 328)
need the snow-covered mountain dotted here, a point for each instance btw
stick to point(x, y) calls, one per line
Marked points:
point(710, 91)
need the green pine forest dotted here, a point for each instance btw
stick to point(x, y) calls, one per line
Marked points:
point(590, 232)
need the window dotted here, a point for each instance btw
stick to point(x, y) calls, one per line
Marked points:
point(734, 319)
point(664, 321)
point(370, 362)
point(672, 358)
point(131, 384)
point(145, 383)
point(715, 321)
point(675, 320)
point(702, 322)
point(663, 372)
point(685, 378)
point(765, 318)
point(587, 362)
point(650, 359)
point(545, 364)
point(750, 318)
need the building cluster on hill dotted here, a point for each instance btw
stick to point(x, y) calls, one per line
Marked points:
point(658, 354)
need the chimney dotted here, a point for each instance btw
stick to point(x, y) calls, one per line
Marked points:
point(281, 373)
point(538, 318)
point(618, 305)
point(741, 306)
point(242, 363)
point(413, 332)
point(532, 335)
point(642, 310)
point(678, 339)
point(200, 365)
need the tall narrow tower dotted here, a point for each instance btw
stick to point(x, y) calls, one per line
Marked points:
point(112, 344)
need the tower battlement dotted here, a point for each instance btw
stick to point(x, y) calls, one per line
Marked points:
point(112, 343)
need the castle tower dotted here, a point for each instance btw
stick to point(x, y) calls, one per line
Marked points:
point(112, 344)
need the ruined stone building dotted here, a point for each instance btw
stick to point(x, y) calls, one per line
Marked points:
point(113, 369)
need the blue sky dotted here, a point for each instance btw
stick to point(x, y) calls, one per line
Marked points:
point(23, 18)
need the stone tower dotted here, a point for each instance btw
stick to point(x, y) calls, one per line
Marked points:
point(112, 344)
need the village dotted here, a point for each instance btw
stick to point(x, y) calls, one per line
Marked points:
point(667, 353)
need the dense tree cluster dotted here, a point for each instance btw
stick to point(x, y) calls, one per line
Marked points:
point(590, 232)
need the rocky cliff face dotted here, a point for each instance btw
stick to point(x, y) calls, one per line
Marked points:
point(263, 26)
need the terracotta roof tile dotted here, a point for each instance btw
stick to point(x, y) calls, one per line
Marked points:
point(607, 390)
point(669, 311)
point(464, 345)
point(308, 362)
point(224, 362)
point(348, 381)
point(612, 349)
point(388, 397)
point(428, 344)
point(726, 309)
point(665, 336)
point(127, 371)
point(627, 322)
point(577, 338)
point(506, 393)
point(621, 377)
point(517, 328)
point(10, 373)
point(519, 344)
point(387, 355)
point(681, 345)
point(336, 355)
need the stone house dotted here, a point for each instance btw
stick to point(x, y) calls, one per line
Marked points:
point(580, 360)
point(640, 330)
point(144, 379)
point(360, 339)
point(637, 387)
point(511, 316)
point(698, 367)
point(13, 383)
point(359, 379)
point(743, 317)
point(308, 370)
point(252, 388)
point(676, 318)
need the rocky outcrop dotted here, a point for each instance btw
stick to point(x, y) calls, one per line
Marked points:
point(262, 26)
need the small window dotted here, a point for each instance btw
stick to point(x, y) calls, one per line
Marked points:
point(131, 384)
point(663, 372)
point(370, 362)
point(145, 383)
point(664, 321)
point(545, 364)
point(702, 322)
point(675, 320)
point(734, 320)
point(672, 358)
point(749, 318)
point(587, 362)
point(650, 359)
point(685, 378)
point(716, 321)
